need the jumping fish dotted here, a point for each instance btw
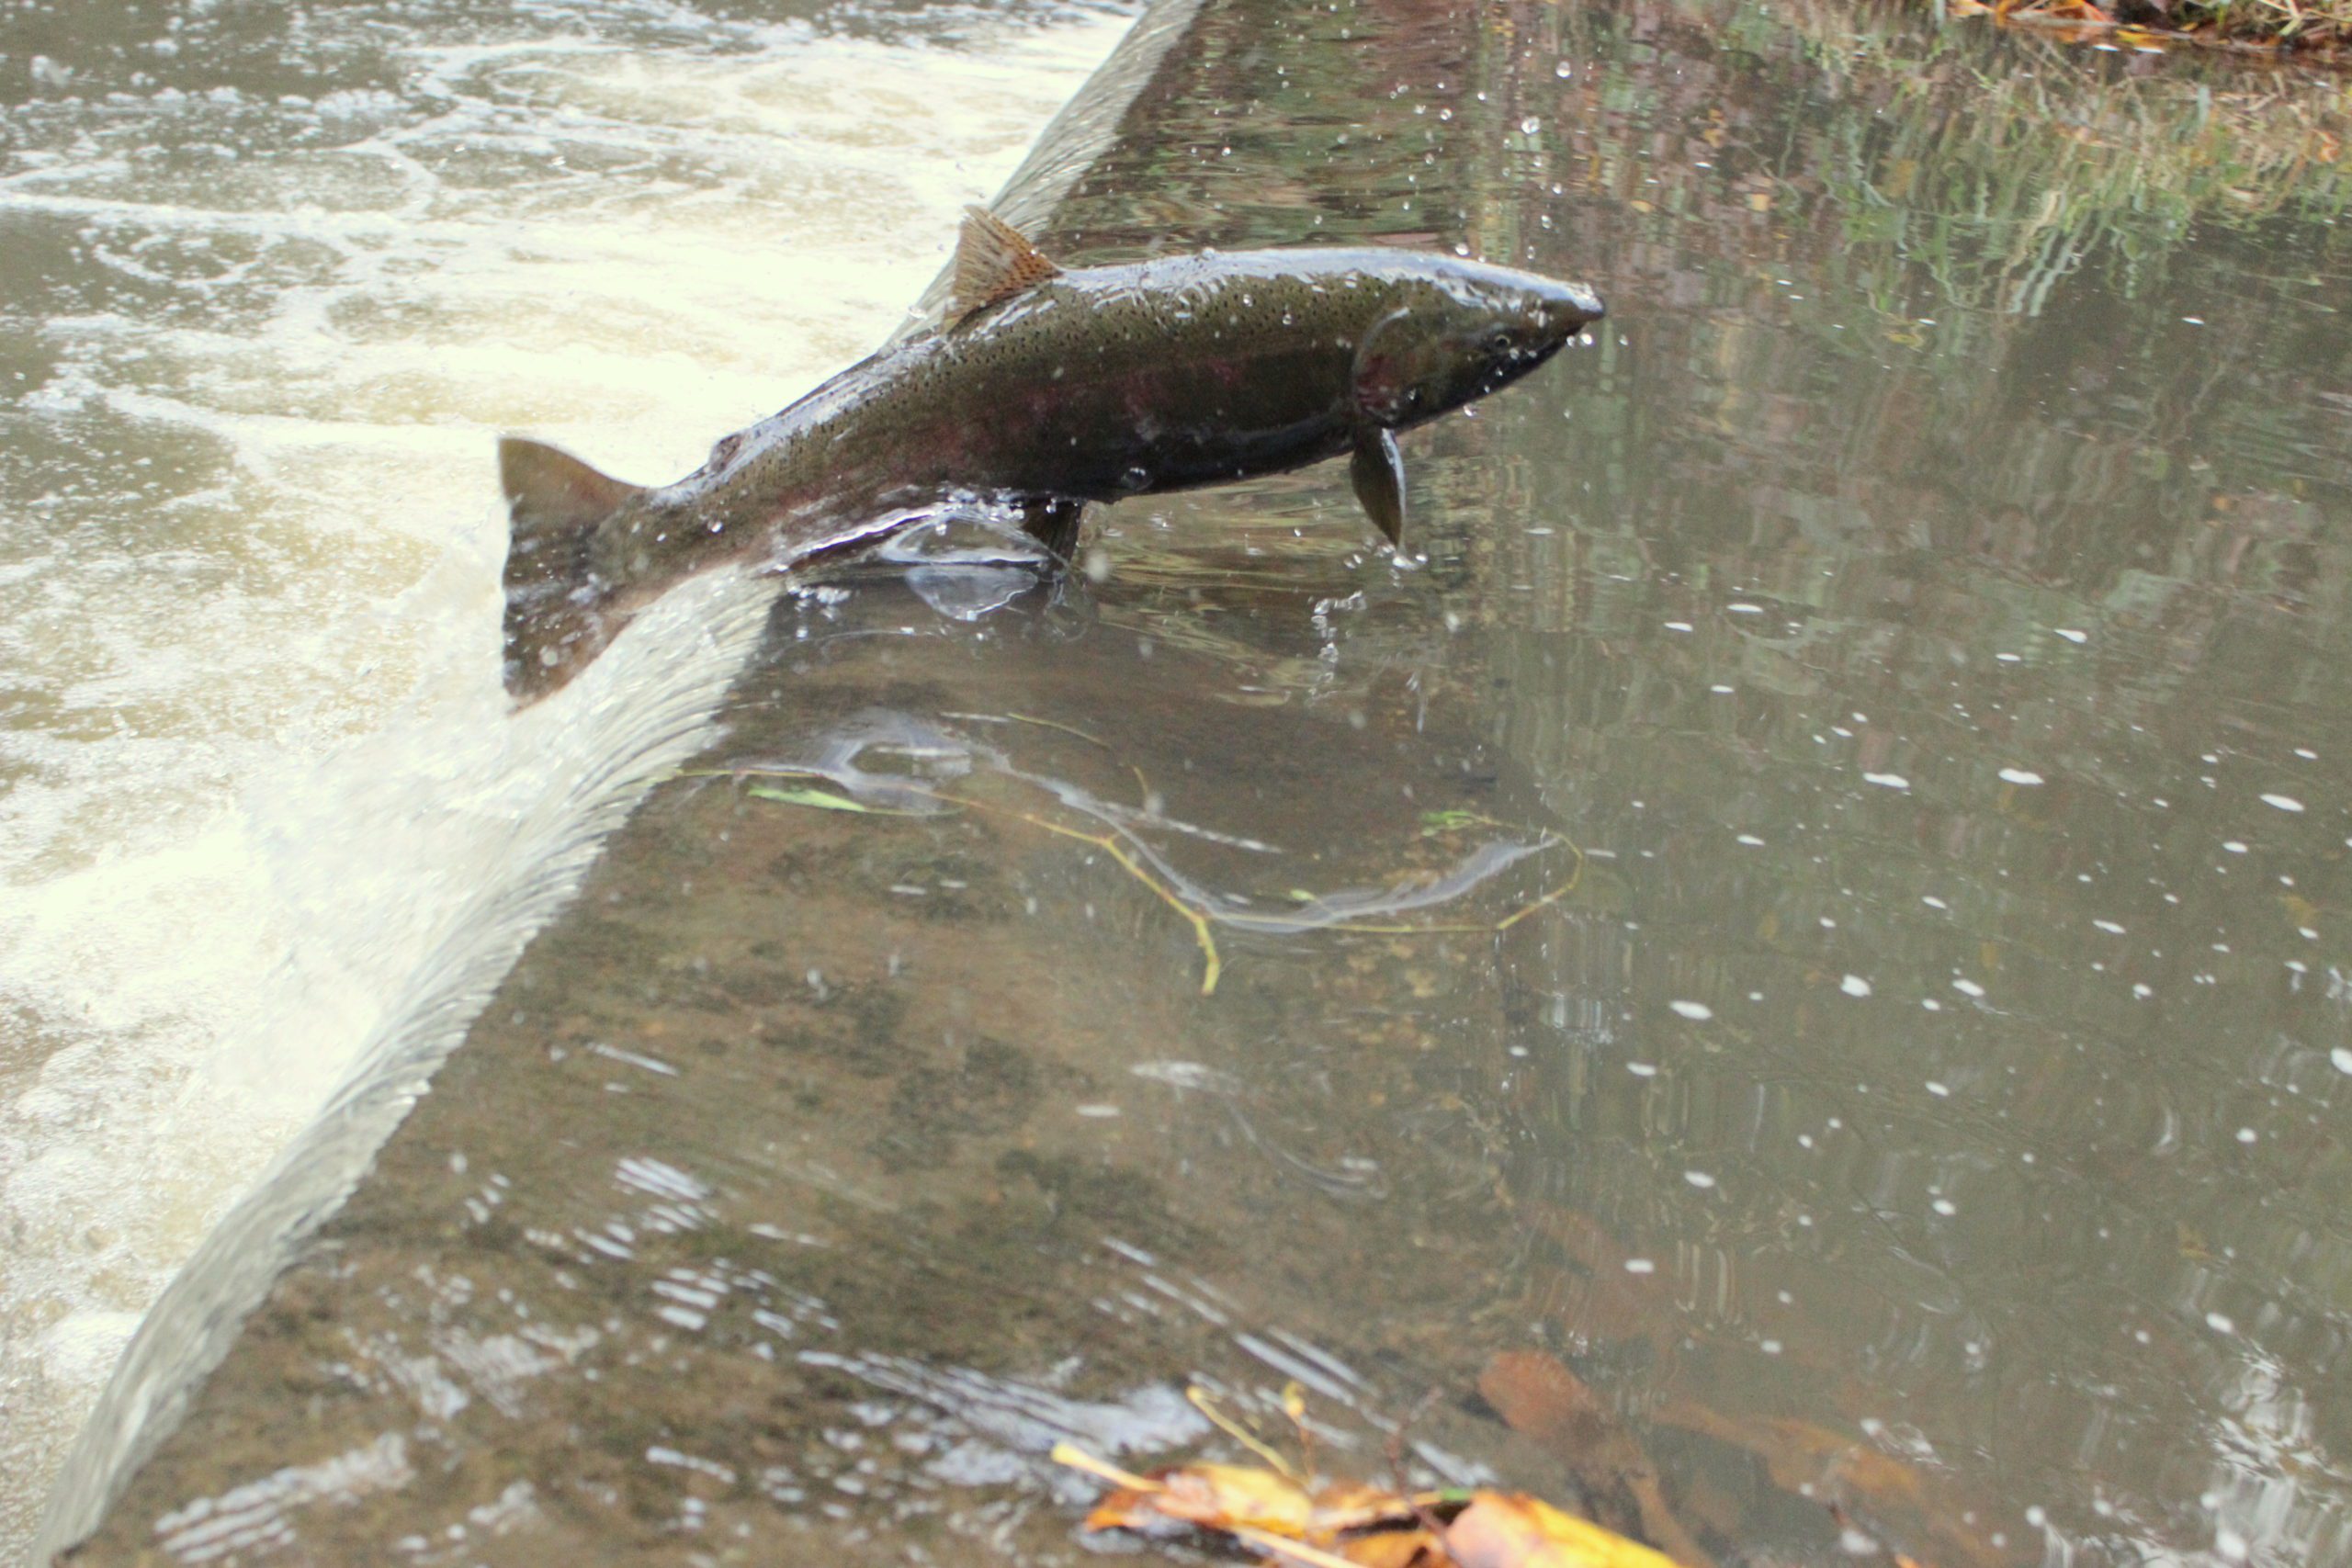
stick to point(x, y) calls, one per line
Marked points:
point(1047, 389)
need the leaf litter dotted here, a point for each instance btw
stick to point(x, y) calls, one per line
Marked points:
point(1291, 1517)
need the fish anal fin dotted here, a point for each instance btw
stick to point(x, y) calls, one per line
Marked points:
point(993, 262)
point(1378, 474)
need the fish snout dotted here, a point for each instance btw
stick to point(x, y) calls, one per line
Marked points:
point(1562, 309)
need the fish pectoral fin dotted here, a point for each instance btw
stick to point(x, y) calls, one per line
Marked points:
point(1053, 520)
point(1378, 473)
point(993, 262)
point(559, 614)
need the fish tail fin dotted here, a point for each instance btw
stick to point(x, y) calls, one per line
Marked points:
point(560, 614)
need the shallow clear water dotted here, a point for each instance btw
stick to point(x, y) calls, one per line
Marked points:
point(269, 282)
point(1814, 907)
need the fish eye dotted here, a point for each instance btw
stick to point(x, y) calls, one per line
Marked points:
point(1499, 340)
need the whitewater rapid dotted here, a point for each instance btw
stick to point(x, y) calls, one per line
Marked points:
point(258, 325)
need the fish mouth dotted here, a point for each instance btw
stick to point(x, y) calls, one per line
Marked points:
point(1553, 316)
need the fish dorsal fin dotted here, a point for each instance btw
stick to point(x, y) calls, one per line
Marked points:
point(993, 262)
point(547, 490)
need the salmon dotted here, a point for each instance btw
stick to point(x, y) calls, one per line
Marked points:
point(1047, 389)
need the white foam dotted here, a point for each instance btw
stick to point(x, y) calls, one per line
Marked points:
point(267, 755)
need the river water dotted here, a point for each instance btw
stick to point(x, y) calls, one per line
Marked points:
point(269, 282)
point(1795, 951)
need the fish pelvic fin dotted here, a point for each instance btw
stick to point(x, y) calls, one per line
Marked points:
point(993, 262)
point(560, 614)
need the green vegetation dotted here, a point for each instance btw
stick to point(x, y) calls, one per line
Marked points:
point(2239, 24)
point(2007, 169)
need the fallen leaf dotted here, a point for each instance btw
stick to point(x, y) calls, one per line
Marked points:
point(1395, 1549)
point(1506, 1530)
point(1537, 1394)
point(1214, 1496)
point(1809, 1461)
point(796, 794)
point(1346, 1505)
point(1801, 1457)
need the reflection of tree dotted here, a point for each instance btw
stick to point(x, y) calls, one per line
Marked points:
point(1899, 385)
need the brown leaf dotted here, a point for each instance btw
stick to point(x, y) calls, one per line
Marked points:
point(1537, 1394)
point(1213, 1497)
point(1799, 1456)
point(1346, 1505)
point(1810, 1461)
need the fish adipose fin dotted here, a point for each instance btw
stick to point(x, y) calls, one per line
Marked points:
point(1379, 477)
point(993, 263)
point(559, 615)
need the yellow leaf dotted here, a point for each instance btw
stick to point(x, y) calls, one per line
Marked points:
point(1345, 1505)
point(1395, 1549)
point(1502, 1529)
point(1230, 1497)
point(1126, 1509)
